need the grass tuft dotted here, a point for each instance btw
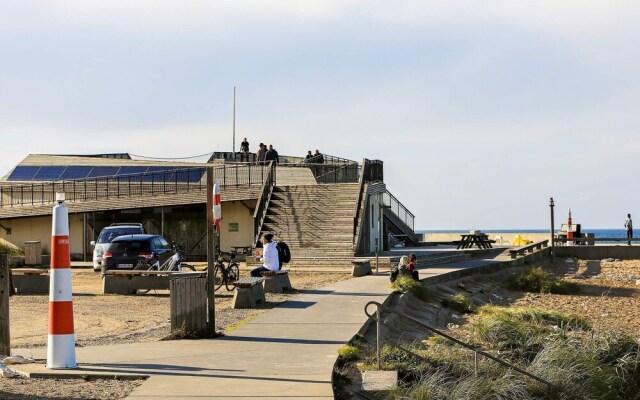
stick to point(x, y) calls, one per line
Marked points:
point(406, 284)
point(537, 280)
point(349, 353)
point(460, 302)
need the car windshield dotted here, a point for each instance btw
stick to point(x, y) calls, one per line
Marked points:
point(126, 246)
point(107, 235)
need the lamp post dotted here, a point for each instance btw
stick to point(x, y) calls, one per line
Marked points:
point(553, 243)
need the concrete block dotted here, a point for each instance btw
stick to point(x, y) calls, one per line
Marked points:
point(127, 284)
point(379, 380)
point(31, 284)
point(248, 297)
point(361, 267)
point(271, 284)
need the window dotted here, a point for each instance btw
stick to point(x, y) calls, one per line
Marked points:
point(234, 227)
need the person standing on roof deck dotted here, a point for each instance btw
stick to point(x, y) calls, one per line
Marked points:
point(270, 259)
point(244, 150)
point(308, 157)
point(261, 153)
point(318, 158)
point(628, 225)
point(272, 155)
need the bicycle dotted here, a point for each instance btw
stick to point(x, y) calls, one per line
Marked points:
point(225, 274)
point(173, 264)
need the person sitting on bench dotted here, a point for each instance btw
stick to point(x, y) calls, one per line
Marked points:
point(269, 256)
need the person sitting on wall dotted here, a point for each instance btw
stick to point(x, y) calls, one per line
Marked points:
point(269, 256)
point(411, 267)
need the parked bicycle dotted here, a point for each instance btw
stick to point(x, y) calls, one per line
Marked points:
point(225, 274)
point(173, 264)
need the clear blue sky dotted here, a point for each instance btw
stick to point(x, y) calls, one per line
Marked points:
point(481, 110)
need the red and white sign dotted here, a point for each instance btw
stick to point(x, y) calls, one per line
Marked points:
point(217, 206)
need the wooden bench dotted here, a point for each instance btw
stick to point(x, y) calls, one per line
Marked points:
point(30, 280)
point(276, 281)
point(361, 267)
point(129, 282)
point(248, 293)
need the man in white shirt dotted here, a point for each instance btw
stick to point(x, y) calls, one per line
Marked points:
point(270, 259)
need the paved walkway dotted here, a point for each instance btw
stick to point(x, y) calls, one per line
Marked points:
point(286, 352)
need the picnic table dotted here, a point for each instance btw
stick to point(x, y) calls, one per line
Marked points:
point(481, 240)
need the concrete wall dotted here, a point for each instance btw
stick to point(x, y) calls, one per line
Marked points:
point(236, 212)
point(507, 238)
point(39, 228)
point(622, 252)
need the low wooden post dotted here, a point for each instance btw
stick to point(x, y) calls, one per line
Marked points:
point(5, 344)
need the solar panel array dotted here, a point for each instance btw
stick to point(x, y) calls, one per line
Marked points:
point(72, 172)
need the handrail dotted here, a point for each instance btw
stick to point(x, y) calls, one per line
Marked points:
point(356, 213)
point(341, 173)
point(380, 306)
point(170, 181)
point(263, 201)
point(399, 209)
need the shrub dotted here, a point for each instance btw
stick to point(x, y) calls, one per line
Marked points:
point(349, 352)
point(460, 302)
point(537, 280)
point(10, 248)
point(406, 284)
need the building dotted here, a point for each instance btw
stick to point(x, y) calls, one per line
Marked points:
point(336, 209)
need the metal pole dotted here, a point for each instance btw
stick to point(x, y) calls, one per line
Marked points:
point(378, 334)
point(5, 276)
point(84, 236)
point(376, 256)
point(553, 243)
point(211, 254)
point(234, 123)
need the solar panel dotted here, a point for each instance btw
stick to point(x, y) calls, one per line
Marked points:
point(75, 172)
point(103, 171)
point(23, 173)
point(155, 174)
point(190, 175)
point(51, 173)
point(127, 170)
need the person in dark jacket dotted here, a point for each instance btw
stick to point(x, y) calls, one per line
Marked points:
point(272, 155)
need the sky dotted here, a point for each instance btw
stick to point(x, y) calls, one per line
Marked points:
point(480, 110)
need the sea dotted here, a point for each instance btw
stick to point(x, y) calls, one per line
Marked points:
point(599, 233)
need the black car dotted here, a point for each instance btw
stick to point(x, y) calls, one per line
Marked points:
point(124, 252)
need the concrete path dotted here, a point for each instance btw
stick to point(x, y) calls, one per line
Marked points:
point(286, 352)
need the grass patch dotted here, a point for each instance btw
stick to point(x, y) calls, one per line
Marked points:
point(406, 284)
point(537, 280)
point(10, 248)
point(460, 302)
point(349, 352)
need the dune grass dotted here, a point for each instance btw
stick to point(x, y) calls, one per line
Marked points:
point(555, 346)
point(460, 302)
point(406, 284)
point(537, 280)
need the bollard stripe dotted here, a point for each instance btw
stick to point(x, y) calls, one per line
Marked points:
point(60, 285)
point(60, 256)
point(60, 318)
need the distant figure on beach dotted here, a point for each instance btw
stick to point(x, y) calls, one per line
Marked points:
point(244, 150)
point(261, 153)
point(628, 225)
point(269, 256)
point(272, 155)
point(318, 158)
point(308, 157)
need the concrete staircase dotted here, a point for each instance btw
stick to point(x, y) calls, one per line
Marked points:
point(316, 221)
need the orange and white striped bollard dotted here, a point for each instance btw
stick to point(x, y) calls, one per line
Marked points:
point(61, 350)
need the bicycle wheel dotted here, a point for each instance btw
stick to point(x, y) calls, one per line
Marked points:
point(187, 268)
point(218, 277)
point(233, 274)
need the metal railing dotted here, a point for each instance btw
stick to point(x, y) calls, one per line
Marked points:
point(263, 201)
point(398, 209)
point(380, 307)
point(356, 213)
point(175, 181)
